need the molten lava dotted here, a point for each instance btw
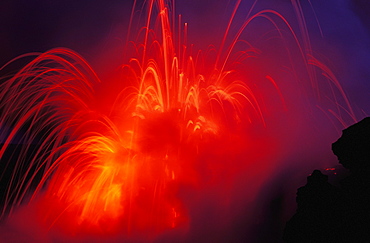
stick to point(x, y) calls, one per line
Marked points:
point(99, 167)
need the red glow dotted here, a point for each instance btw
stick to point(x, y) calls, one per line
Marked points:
point(182, 120)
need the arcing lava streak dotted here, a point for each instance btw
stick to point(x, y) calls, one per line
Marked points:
point(95, 166)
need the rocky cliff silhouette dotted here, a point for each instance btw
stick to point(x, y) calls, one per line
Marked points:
point(327, 213)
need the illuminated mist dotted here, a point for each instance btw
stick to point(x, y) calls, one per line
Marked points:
point(168, 121)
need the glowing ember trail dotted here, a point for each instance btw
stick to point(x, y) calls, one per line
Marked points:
point(92, 166)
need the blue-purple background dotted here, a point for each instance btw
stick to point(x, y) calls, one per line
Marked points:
point(89, 27)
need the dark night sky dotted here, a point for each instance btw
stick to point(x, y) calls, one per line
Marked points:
point(98, 30)
point(92, 27)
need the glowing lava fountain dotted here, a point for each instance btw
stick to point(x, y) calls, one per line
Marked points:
point(98, 167)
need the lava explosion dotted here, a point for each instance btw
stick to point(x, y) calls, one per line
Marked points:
point(176, 127)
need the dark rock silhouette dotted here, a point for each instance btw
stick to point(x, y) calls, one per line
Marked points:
point(326, 213)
